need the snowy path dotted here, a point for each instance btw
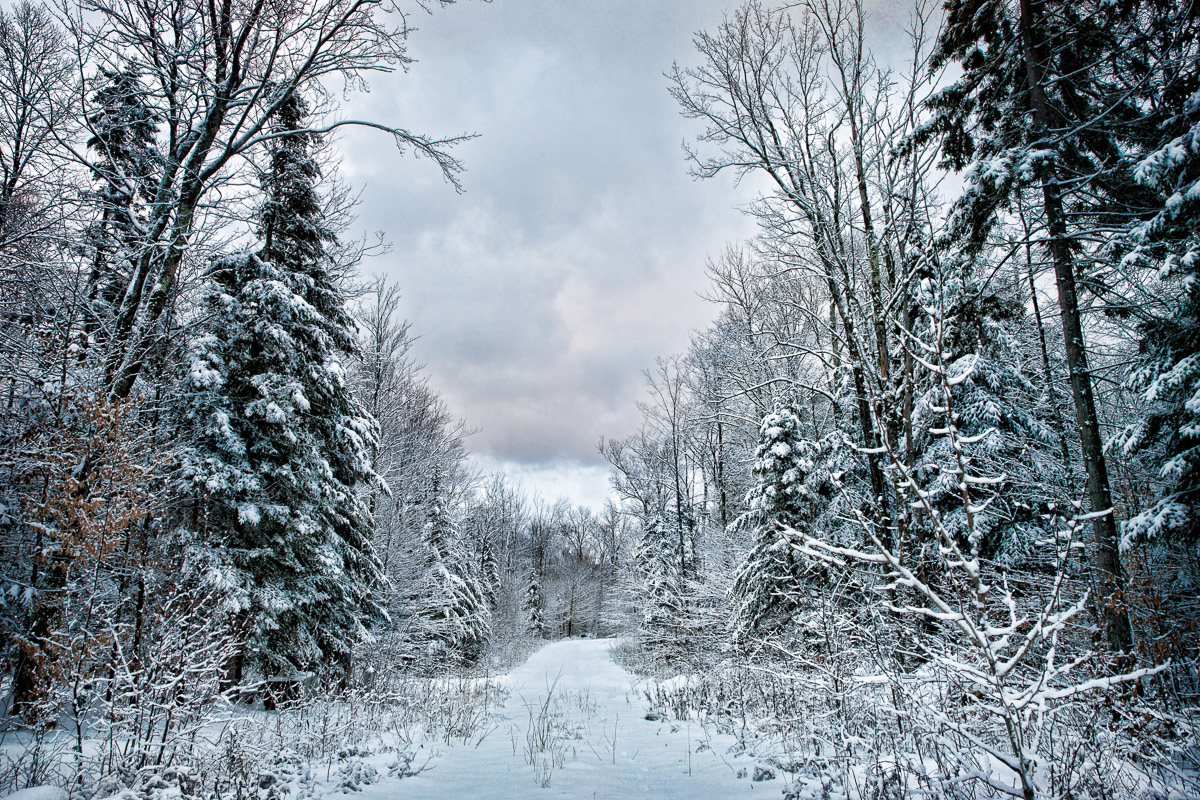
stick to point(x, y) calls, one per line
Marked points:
point(608, 748)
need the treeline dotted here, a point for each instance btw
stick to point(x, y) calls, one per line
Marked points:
point(224, 476)
point(945, 423)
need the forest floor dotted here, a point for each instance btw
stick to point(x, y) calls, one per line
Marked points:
point(574, 726)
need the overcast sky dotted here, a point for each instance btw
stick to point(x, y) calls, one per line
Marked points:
point(575, 254)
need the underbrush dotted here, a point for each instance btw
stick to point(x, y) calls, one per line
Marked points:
point(635, 656)
point(309, 746)
point(771, 715)
point(857, 728)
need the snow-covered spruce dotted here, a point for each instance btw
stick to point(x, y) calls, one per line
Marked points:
point(661, 593)
point(124, 161)
point(533, 603)
point(1168, 373)
point(452, 615)
point(963, 342)
point(774, 579)
point(280, 450)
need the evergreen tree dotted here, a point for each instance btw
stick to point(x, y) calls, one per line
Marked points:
point(773, 580)
point(969, 328)
point(657, 560)
point(479, 530)
point(454, 617)
point(534, 603)
point(125, 161)
point(281, 450)
point(1168, 375)
point(1037, 110)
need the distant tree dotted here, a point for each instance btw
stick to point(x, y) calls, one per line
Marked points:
point(418, 439)
point(535, 606)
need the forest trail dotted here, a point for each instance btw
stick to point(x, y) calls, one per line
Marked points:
point(602, 742)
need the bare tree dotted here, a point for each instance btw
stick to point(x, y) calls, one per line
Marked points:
point(214, 74)
point(37, 111)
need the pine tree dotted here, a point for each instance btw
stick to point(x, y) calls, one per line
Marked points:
point(281, 450)
point(775, 578)
point(124, 163)
point(660, 585)
point(1168, 375)
point(454, 616)
point(534, 603)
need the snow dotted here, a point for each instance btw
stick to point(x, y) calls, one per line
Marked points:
point(608, 747)
point(39, 793)
point(248, 515)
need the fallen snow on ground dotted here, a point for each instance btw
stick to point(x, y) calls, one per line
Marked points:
point(39, 793)
point(573, 726)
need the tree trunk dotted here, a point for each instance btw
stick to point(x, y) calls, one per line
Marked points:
point(1106, 558)
point(233, 671)
point(1047, 373)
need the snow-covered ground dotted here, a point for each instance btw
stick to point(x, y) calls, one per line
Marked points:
point(568, 723)
point(598, 743)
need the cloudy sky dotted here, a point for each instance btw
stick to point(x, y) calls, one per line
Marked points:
point(575, 254)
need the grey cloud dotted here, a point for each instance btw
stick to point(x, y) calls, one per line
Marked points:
point(575, 255)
